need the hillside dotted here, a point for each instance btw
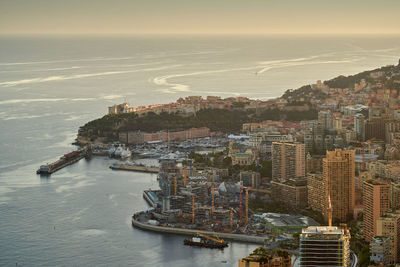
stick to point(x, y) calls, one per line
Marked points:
point(218, 120)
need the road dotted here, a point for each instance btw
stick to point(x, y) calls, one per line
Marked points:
point(354, 259)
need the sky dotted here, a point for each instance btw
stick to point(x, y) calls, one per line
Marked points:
point(199, 16)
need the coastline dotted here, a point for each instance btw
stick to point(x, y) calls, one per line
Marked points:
point(189, 232)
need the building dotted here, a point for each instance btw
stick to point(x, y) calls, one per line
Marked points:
point(118, 109)
point(260, 257)
point(325, 246)
point(325, 118)
point(250, 179)
point(380, 250)
point(316, 192)
point(376, 200)
point(262, 141)
point(389, 225)
point(314, 163)
point(291, 192)
point(394, 196)
point(138, 137)
point(338, 176)
point(359, 126)
point(288, 161)
point(242, 159)
point(375, 128)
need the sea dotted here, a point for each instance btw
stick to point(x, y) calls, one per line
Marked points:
point(52, 85)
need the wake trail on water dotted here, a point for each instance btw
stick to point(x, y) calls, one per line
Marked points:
point(35, 100)
point(263, 66)
point(84, 67)
point(64, 60)
point(79, 76)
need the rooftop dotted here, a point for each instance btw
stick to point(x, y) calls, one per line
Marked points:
point(323, 230)
point(285, 220)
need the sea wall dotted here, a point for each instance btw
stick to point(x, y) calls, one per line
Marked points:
point(180, 231)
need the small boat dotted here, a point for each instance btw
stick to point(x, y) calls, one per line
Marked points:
point(111, 151)
point(126, 153)
point(202, 240)
point(118, 151)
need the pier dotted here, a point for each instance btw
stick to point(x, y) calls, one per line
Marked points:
point(64, 161)
point(135, 168)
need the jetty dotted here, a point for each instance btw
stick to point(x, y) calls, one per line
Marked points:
point(135, 168)
point(63, 161)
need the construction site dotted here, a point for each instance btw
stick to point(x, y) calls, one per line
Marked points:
point(197, 200)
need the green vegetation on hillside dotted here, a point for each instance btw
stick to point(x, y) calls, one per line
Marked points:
point(219, 120)
point(349, 81)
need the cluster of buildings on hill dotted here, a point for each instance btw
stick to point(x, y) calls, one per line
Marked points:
point(349, 155)
point(342, 164)
point(191, 104)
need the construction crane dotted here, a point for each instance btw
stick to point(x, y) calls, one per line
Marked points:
point(231, 217)
point(329, 211)
point(192, 209)
point(184, 176)
point(247, 206)
point(215, 239)
point(212, 198)
point(175, 185)
point(240, 203)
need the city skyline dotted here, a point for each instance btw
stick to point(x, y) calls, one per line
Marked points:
point(199, 17)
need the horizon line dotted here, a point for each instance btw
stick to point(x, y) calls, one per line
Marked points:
point(196, 33)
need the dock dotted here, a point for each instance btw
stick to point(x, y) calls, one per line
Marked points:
point(62, 162)
point(135, 168)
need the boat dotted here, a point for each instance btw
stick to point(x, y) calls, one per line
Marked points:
point(126, 153)
point(118, 151)
point(205, 241)
point(111, 151)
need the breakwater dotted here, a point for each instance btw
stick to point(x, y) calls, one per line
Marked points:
point(190, 232)
point(64, 161)
point(135, 168)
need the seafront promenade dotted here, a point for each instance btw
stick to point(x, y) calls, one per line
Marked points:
point(190, 232)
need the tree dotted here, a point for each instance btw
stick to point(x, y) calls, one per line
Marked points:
point(266, 168)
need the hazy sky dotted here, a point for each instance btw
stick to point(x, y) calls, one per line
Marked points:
point(199, 16)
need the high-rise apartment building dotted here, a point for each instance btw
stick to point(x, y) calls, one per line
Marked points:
point(359, 126)
point(316, 192)
point(394, 196)
point(288, 161)
point(376, 200)
point(294, 192)
point(325, 246)
point(325, 119)
point(338, 178)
